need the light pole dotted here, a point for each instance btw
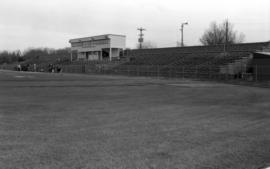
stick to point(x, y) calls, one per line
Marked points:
point(182, 33)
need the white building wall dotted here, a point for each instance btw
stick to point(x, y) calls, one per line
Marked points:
point(118, 41)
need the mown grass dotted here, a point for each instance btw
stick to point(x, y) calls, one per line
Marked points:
point(50, 121)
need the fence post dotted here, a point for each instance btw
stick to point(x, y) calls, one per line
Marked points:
point(209, 71)
point(197, 73)
point(148, 71)
point(183, 72)
point(157, 71)
point(128, 70)
point(170, 71)
point(256, 73)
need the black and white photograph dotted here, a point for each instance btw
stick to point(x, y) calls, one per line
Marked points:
point(134, 84)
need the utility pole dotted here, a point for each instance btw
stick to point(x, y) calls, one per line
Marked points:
point(140, 40)
point(182, 33)
point(226, 35)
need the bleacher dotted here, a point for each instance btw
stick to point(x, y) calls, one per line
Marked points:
point(191, 61)
point(203, 60)
point(193, 56)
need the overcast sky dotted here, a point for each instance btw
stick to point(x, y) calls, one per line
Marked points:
point(51, 23)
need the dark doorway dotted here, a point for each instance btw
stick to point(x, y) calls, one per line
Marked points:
point(105, 55)
point(87, 55)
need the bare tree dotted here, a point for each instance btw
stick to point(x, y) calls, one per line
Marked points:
point(221, 34)
point(147, 45)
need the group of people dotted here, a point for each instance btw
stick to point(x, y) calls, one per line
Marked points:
point(34, 68)
point(55, 68)
point(26, 67)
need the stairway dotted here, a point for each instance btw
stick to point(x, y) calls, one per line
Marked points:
point(236, 67)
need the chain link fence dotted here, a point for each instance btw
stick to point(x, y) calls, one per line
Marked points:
point(247, 73)
point(251, 73)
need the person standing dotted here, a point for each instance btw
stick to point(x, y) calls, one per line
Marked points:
point(35, 67)
point(19, 67)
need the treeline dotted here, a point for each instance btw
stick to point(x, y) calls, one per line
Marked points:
point(35, 55)
point(10, 57)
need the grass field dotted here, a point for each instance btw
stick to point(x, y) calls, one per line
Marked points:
point(63, 121)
